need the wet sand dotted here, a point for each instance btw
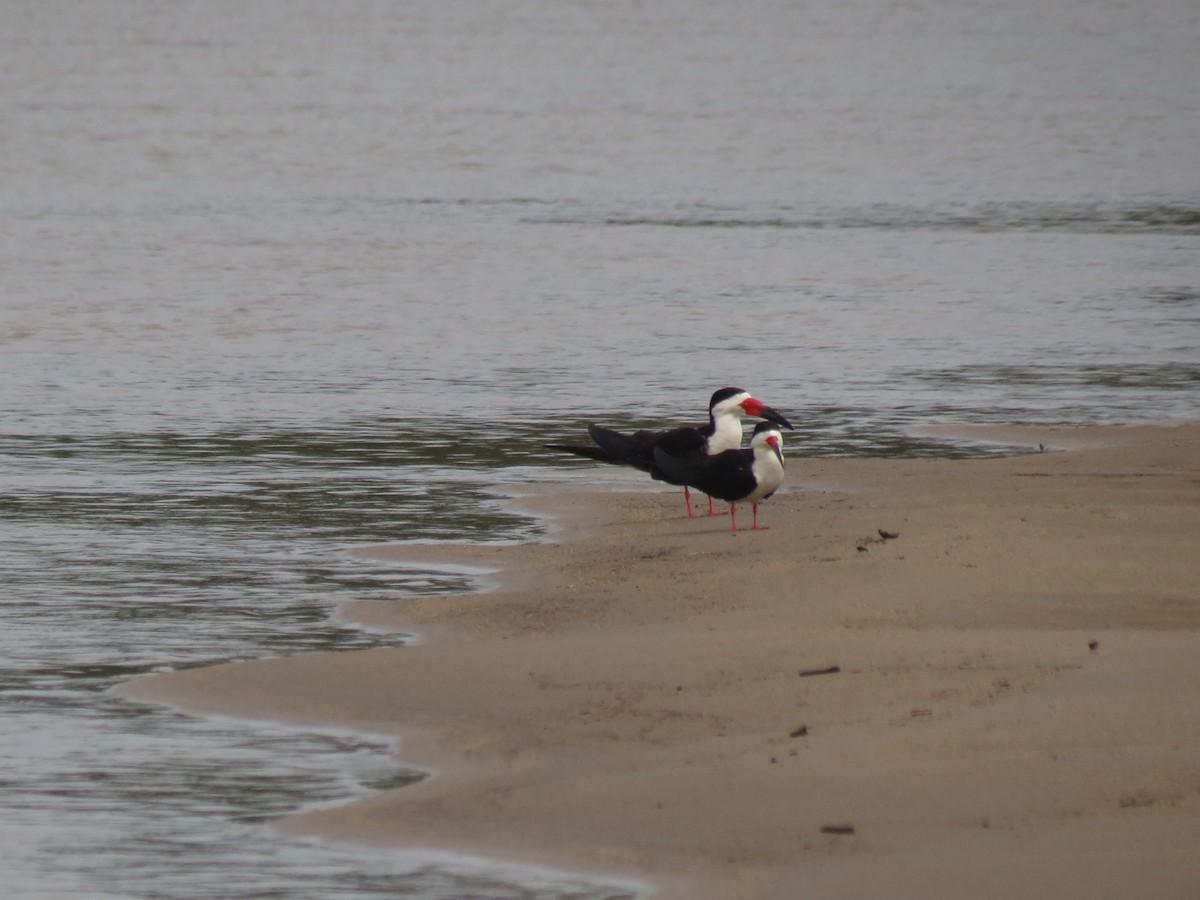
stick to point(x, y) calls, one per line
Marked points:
point(1002, 700)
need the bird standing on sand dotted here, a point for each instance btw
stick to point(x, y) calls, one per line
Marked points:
point(738, 476)
point(686, 444)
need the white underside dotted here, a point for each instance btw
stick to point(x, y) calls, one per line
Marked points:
point(768, 471)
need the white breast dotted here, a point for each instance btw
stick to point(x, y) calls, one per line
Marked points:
point(727, 436)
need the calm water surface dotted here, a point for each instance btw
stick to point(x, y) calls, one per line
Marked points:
point(283, 279)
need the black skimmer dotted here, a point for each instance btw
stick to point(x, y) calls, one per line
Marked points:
point(739, 476)
point(726, 409)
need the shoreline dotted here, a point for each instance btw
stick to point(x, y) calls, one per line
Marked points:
point(1015, 679)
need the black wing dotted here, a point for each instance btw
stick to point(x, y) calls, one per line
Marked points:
point(637, 449)
point(683, 443)
point(726, 476)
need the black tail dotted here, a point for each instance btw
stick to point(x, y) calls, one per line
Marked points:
point(616, 445)
point(595, 453)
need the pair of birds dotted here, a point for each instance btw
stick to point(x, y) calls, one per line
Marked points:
point(709, 457)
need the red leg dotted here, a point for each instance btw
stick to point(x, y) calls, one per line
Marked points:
point(733, 515)
point(711, 510)
point(757, 527)
point(687, 498)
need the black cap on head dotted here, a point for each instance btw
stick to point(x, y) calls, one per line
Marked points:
point(725, 394)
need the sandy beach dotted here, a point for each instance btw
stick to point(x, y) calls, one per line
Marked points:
point(1001, 699)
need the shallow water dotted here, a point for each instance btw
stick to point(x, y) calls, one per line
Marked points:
point(280, 280)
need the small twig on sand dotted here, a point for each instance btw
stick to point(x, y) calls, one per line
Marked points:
point(830, 670)
point(837, 829)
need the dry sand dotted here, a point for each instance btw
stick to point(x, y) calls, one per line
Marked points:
point(1016, 711)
